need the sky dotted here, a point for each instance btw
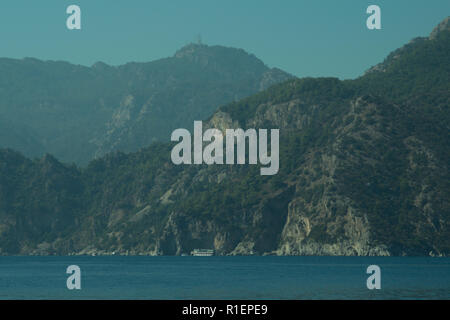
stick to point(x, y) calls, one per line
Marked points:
point(306, 38)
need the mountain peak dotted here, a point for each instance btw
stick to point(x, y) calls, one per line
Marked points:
point(203, 53)
point(190, 50)
point(397, 54)
point(443, 26)
point(100, 65)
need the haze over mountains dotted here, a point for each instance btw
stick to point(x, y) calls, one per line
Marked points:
point(78, 113)
point(363, 171)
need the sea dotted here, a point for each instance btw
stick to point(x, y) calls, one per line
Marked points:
point(223, 277)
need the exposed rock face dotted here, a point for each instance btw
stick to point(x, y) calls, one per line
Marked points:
point(363, 171)
point(290, 222)
point(332, 235)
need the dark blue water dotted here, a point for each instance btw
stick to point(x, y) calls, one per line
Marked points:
point(224, 278)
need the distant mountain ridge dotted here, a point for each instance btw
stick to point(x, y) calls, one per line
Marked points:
point(364, 170)
point(78, 113)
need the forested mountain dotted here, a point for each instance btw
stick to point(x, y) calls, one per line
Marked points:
point(363, 171)
point(78, 113)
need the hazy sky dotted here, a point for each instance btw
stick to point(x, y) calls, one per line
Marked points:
point(306, 38)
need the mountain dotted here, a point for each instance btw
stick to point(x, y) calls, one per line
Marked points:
point(78, 113)
point(363, 171)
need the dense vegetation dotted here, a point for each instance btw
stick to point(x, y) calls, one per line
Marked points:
point(78, 113)
point(363, 170)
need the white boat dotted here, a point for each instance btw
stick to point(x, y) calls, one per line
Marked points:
point(202, 252)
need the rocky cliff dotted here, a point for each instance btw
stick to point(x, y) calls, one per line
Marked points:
point(363, 171)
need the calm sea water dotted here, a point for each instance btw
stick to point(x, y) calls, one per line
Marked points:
point(224, 278)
